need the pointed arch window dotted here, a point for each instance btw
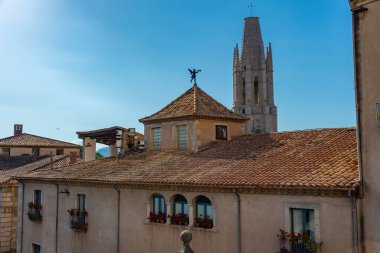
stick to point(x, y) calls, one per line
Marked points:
point(256, 90)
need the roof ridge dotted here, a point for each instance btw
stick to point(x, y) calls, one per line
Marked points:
point(37, 136)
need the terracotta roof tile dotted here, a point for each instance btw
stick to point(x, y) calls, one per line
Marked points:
point(194, 103)
point(30, 140)
point(324, 158)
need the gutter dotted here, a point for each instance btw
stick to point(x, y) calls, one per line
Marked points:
point(118, 220)
point(238, 221)
point(22, 216)
point(354, 220)
point(56, 220)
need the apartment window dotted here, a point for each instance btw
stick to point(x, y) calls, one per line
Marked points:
point(36, 248)
point(204, 213)
point(36, 151)
point(182, 137)
point(302, 222)
point(157, 133)
point(159, 204)
point(37, 197)
point(34, 212)
point(6, 151)
point(59, 151)
point(180, 205)
point(221, 132)
point(81, 208)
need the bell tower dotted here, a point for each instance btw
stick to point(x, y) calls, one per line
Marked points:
point(253, 80)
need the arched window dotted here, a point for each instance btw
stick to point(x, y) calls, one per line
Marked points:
point(256, 90)
point(204, 213)
point(180, 211)
point(158, 213)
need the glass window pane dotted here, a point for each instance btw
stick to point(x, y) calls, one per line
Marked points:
point(37, 197)
point(81, 202)
point(156, 205)
point(186, 209)
point(210, 211)
point(162, 206)
point(178, 208)
point(200, 210)
point(297, 220)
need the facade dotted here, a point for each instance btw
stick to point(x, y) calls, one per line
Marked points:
point(20, 154)
point(366, 36)
point(233, 194)
point(253, 80)
point(24, 144)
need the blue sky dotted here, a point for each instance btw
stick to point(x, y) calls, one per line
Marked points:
point(89, 64)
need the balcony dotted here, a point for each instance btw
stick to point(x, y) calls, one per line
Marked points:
point(298, 242)
point(78, 220)
point(34, 212)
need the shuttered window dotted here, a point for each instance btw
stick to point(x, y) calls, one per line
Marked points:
point(182, 137)
point(157, 138)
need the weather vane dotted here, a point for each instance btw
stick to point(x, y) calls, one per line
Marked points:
point(193, 74)
point(250, 6)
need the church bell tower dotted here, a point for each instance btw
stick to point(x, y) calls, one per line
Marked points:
point(253, 80)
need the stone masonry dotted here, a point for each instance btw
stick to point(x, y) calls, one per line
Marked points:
point(8, 218)
point(253, 80)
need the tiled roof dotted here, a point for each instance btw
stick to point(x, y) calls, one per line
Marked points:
point(12, 162)
point(31, 164)
point(319, 159)
point(30, 140)
point(194, 103)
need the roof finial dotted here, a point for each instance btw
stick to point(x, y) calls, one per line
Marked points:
point(251, 7)
point(193, 74)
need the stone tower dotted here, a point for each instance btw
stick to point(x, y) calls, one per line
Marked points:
point(253, 80)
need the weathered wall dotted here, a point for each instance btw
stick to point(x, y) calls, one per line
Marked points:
point(368, 94)
point(17, 151)
point(262, 217)
point(8, 218)
point(200, 133)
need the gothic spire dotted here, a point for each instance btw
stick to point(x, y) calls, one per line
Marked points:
point(253, 46)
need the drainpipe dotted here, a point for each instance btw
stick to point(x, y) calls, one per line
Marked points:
point(354, 217)
point(238, 222)
point(56, 220)
point(118, 220)
point(22, 216)
point(356, 42)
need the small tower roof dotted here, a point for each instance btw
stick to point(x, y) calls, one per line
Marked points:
point(194, 104)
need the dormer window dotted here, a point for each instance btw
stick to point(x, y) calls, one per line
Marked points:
point(182, 137)
point(157, 134)
point(221, 132)
point(6, 151)
point(35, 151)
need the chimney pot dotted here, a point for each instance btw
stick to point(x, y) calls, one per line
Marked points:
point(17, 129)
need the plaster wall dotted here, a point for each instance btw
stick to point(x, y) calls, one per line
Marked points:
point(18, 151)
point(200, 133)
point(368, 62)
point(8, 218)
point(262, 217)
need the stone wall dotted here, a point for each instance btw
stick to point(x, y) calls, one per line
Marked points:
point(8, 218)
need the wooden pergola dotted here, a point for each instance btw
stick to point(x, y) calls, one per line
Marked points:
point(105, 136)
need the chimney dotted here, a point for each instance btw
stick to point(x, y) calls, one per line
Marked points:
point(17, 129)
point(73, 157)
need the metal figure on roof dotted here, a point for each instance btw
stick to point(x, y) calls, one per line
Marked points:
point(194, 75)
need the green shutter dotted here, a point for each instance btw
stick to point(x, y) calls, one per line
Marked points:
point(182, 137)
point(157, 138)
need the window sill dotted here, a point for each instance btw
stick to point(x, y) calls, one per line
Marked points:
point(212, 230)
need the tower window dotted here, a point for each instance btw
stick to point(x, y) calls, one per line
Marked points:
point(182, 137)
point(243, 111)
point(221, 132)
point(243, 91)
point(256, 90)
